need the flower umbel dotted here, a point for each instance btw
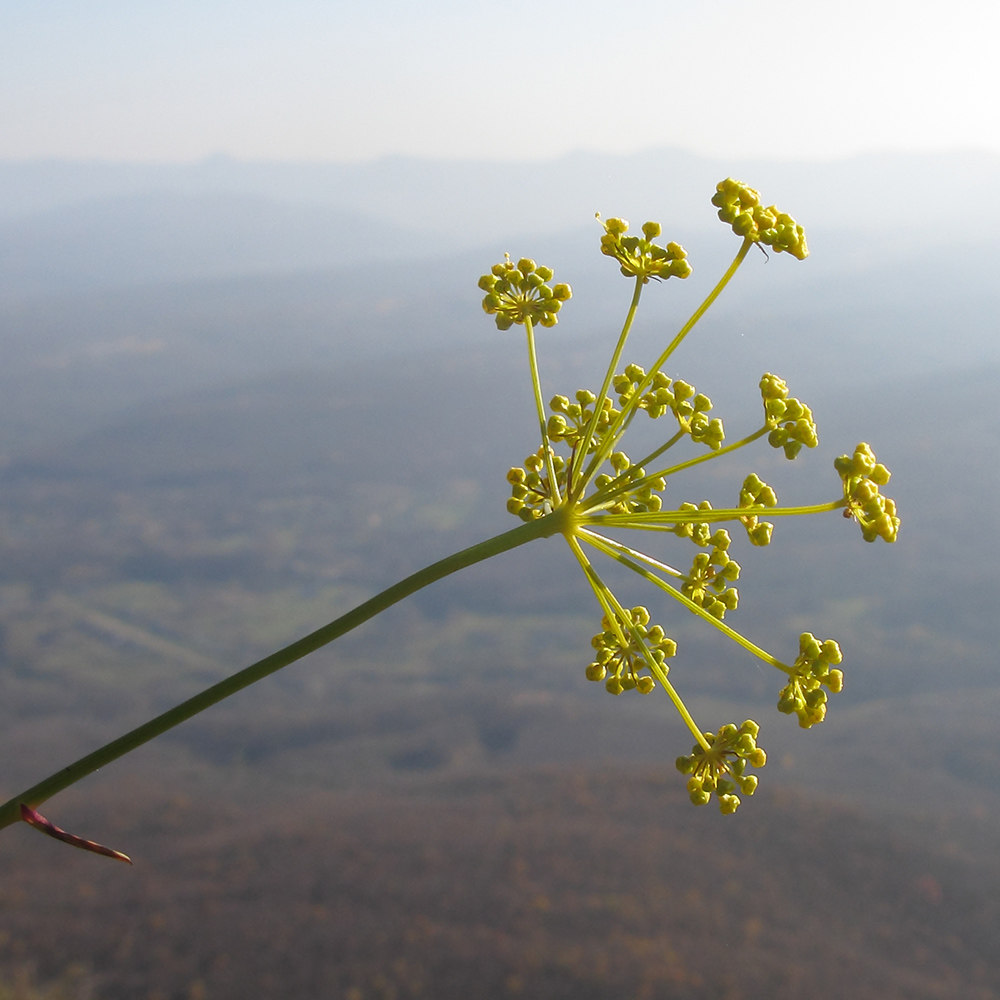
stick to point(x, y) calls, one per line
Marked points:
point(628, 648)
point(803, 694)
point(741, 207)
point(690, 407)
point(707, 585)
point(582, 476)
point(862, 476)
point(639, 256)
point(518, 292)
point(790, 422)
point(531, 491)
point(718, 768)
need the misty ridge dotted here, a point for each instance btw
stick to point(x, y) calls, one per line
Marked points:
point(123, 283)
point(237, 398)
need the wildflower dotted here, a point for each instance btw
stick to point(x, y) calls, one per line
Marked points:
point(516, 293)
point(629, 651)
point(789, 421)
point(597, 488)
point(740, 206)
point(639, 256)
point(717, 766)
point(813, 668)
point(862, 476)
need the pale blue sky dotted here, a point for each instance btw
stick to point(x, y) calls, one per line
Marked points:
point(178, 80)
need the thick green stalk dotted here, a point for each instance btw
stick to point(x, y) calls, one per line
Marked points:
point(33, 797)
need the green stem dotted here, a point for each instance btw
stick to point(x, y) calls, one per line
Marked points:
point(697, 314)
point(540, 407)
point(609, 495)
point(541, 528)
point(709, 455)
point(621, 484)
point(651, 522)
point(616, 614)
point(634, 553)
point(666, 446)
point(609, 548)
point(629, 408)
point(598, 586)
point(577, 489)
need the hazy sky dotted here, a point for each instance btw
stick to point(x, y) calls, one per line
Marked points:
point(178, 80)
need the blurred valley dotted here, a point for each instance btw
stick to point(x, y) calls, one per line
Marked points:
point(239, 398)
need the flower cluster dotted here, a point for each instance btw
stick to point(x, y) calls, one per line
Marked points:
point(623, 652)
point(707, 585)
point(790, 421)
point(700, 532)
point(630, 491)
point(718, 768)
point(689, 407)
point(569, 420)
point(740, 206)
point(516, 293)
point(531, 493)
point(862, 476)
point(803, 693)
point(640, 257)
point(755, 493)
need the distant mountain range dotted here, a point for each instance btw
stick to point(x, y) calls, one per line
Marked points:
point(159, 237)
point(68, 225)
point(201, 294)
point(472, 200)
